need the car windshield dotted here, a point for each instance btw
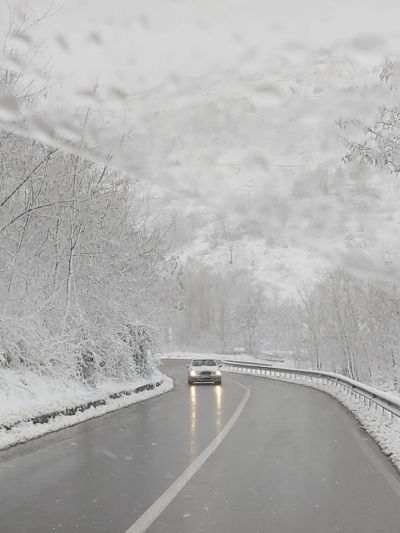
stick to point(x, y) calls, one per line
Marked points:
point(200, 266)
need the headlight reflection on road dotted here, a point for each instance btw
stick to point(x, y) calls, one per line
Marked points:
point(192, 439)
point(218, 397)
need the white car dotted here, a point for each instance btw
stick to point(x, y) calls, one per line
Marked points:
point(204, 371)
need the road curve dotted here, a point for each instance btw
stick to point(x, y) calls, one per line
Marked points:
point(293, 461)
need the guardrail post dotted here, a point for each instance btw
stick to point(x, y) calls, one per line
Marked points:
point(358, 391)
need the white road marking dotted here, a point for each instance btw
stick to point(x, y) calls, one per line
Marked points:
point(154, 511)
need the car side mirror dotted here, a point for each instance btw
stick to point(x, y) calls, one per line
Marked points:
point(187, 366)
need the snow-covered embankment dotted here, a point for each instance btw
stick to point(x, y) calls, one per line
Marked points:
point(33, 405)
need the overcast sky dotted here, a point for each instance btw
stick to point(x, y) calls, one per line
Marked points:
point(131, 46)
point(138, 44)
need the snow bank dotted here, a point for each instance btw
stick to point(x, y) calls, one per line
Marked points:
point(185, 355)
point(26, 397)
point(384, 429)
point(243, 358)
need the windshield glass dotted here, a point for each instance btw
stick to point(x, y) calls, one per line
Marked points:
point(200, 266)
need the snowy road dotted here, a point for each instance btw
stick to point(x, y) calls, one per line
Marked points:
point(293, 461)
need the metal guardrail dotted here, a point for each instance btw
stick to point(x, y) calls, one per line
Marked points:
point(369, 396)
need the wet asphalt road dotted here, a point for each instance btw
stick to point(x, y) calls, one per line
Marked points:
point(295, 461)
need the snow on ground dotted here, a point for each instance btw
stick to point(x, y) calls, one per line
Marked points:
point(219, 357)
point(25, 395)
point(384, 430)
point(242, 358)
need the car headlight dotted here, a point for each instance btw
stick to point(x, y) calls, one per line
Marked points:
point(218, 372)
point(193, 373)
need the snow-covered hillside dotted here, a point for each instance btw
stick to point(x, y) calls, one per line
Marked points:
point(265, 153)
point(280, 269)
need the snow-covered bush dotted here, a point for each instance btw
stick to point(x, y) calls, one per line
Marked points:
point(141, 340)
point(78, 254)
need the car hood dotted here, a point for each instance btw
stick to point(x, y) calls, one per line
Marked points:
point(203, 368)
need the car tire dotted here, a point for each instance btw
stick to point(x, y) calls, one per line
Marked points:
point(190, 382)
point(218, 382)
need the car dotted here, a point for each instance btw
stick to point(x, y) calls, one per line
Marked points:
point(204, 371)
